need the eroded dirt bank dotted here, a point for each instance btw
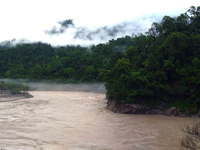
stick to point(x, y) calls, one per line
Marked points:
point(79, 121)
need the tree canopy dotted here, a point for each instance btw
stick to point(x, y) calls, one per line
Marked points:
point(162, 66)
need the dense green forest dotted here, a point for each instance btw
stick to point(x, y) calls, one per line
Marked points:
point(62, 63)
point(160, 66)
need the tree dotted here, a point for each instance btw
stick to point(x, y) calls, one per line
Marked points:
point(89, 73)
point(115, 56)
point(69, 72)
point(192, 140)
point(26, 88)
point(36, 72)
point(164, 65)
point(168, 25)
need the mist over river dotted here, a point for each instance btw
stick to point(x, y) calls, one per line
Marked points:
point(60, 120)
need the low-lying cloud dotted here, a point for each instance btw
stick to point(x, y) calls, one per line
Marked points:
point(66, 32)
point(63, 27)
point(48, 85)
point(82, 87)
point(83, 35)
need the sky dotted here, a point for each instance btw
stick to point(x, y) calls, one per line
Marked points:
point(82, 22)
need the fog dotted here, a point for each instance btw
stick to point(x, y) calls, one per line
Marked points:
point(50, 85)
point(84, 87)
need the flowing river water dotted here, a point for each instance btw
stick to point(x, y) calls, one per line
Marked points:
point(55, 120)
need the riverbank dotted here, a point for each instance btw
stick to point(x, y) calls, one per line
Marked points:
point(6, 97)
point(118, 107)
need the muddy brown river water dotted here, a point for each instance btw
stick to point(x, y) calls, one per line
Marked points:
point(79, 121)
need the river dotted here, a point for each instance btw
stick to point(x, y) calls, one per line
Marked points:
point(58, 120)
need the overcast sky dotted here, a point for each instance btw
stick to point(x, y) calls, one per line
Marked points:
point(92, 21)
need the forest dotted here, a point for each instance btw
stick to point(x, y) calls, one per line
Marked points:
point(160, 66)
point(12, 88)
point(62, 63)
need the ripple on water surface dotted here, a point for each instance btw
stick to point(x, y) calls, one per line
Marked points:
point(79, 121)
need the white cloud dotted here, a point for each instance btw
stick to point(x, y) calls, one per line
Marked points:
point(29, 18)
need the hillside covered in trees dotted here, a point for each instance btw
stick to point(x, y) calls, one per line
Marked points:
point(162, 65)
point(63, 63)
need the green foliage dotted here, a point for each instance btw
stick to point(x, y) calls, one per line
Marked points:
point(36, 72)
point(163, 66)
point(69, 72)
point(66, 63)
point(89, 73)
point(13, 88)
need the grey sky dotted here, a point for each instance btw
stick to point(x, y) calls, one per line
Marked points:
point(29, 19)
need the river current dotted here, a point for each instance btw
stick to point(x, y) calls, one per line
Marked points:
point(55, 120)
